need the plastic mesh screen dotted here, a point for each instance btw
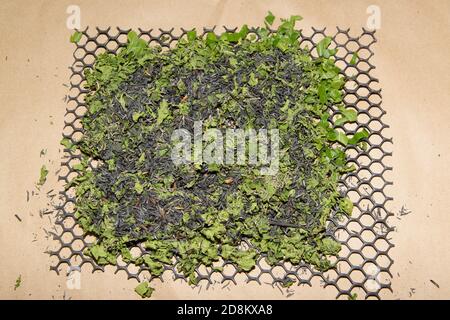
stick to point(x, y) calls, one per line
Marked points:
point(363, 265)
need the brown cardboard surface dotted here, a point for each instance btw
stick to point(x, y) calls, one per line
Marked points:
point(413, 66)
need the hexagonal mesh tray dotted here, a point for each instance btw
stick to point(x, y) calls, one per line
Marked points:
point(363, 264)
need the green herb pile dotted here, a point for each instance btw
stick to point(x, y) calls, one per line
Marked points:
point(201, 213)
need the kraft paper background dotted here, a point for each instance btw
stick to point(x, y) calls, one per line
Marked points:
point(413, 66)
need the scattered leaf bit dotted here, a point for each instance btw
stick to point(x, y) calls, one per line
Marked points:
point(144, 290)
point(353, 296)
point(76, 37)
point(354, 59)
point(18, 282)
point(43, 175)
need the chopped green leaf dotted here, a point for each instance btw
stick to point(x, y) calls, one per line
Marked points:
point(163, 112)
point(192, 35)
point(347, 115)
point(122, 101)
point(144, 290)
point(138, 187)
point(354, 59)
point(347, 206)
point(78, 167)
point(339, 136)
point(353, 296)
point(68, 144)
point(322, 47)
point(357, 137)
point(75, 37)
point(18, 282)
point(43, 175)
point(270, 18)
point(253, 80)
point(330, 246)
point(137, 116)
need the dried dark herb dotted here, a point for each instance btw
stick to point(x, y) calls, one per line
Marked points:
point(435, 283)
point(202, 212)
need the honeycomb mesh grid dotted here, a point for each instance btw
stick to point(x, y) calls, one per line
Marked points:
point(363, 265)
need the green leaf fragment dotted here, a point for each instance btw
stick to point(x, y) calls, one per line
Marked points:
point(141, 159)
point(270, 18)
point(101, 255)
point(347, 206)
point(204, 210)
point(76, 37)
point(358, 136)
point(79, 167)
point(322, 47)
point(144, 290)
point(18, 282)
point(137, 116)
point(138, 187)
point(322, 93)
point(163, 112)
point(246, 260)
point(111, 164)
point(67, 143)
point(338, 136)
point(287, 282)
point(156, 268)
point(353, 296)
point(122, 101)
point(253, 80)
point(330, 246)
point(354, 59)
point(211, 38)
point(43, 175)
point(347, 115)
point(191, 35)
point(136, 46)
